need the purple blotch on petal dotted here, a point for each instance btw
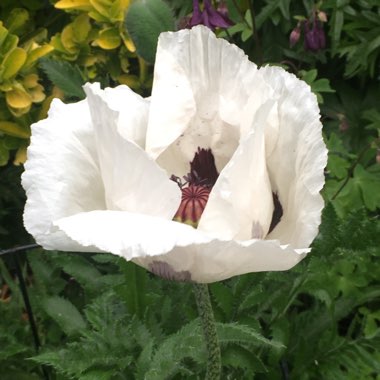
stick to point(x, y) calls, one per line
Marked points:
point(164, 270)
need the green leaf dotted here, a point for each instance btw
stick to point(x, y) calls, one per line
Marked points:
point(133, 290)
point(336, 28)
point(337, 166)
point(239, 357)
point(14, 129)
point(309, 76)
point(145, 20)
point(373, 116)
point(266, 12)
point(65, 314)
point(186, 343)
point(81, 269)
point(65, 76)
point(13, 62)
point(322, 85)
point(241, 334)
point(369, 185)
point(284, 7)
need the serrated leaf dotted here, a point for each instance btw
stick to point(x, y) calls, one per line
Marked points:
point(236, 333)
point(65, 76)
point(145, 20)
point(239, 357)
point(186, 343)
point(65, 314)
point(81, 270)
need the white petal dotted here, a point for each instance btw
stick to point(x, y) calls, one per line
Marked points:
point(201, 84)
point(132, 180)
point(297, 158)
point(150, 240)
point(128, 234)
point(219, 260)
point(133, 111)
point(240, 205)
point(61, 175)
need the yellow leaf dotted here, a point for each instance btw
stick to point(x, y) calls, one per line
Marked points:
point(125, 3)
point(98, 17)
point(20, 156)
point(56, 42)
point(109, 39)
point(67, 38)
point(37, 94)
point(83, 5)
point(3, 33)
point(81, 27)
point(57, 93)
point(18, 98)
point(17, 19)
point(30, 81)
point(38, 53)
point(129, 44)
point(14, 129)
point(131, 81)
point(13, 62)
point(102, 7)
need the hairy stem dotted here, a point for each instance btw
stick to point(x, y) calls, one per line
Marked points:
point(206, 314)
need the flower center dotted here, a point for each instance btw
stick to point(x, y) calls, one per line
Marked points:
point(198, 185)
point(193, 202)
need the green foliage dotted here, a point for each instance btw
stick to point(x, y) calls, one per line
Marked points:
point(355, 30)
point(145, 20)
point(65, 76)
point(104, 318)
point(317, 85)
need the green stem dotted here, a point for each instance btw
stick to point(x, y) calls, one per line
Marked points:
point(143, 70)
point(206, 314)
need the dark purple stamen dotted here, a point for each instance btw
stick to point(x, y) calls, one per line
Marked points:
point(202, 169)
point(277, 212)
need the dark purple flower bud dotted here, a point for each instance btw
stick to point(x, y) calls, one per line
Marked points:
point(209, 17)
point(295, 36)
point(196, 18)
point(314, 36)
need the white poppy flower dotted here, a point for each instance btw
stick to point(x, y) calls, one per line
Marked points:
point(101, 173)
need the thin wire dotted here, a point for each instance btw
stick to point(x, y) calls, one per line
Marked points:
point(18, 249)
point(24, 292)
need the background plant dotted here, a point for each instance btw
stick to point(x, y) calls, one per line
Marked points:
point(99, 317)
